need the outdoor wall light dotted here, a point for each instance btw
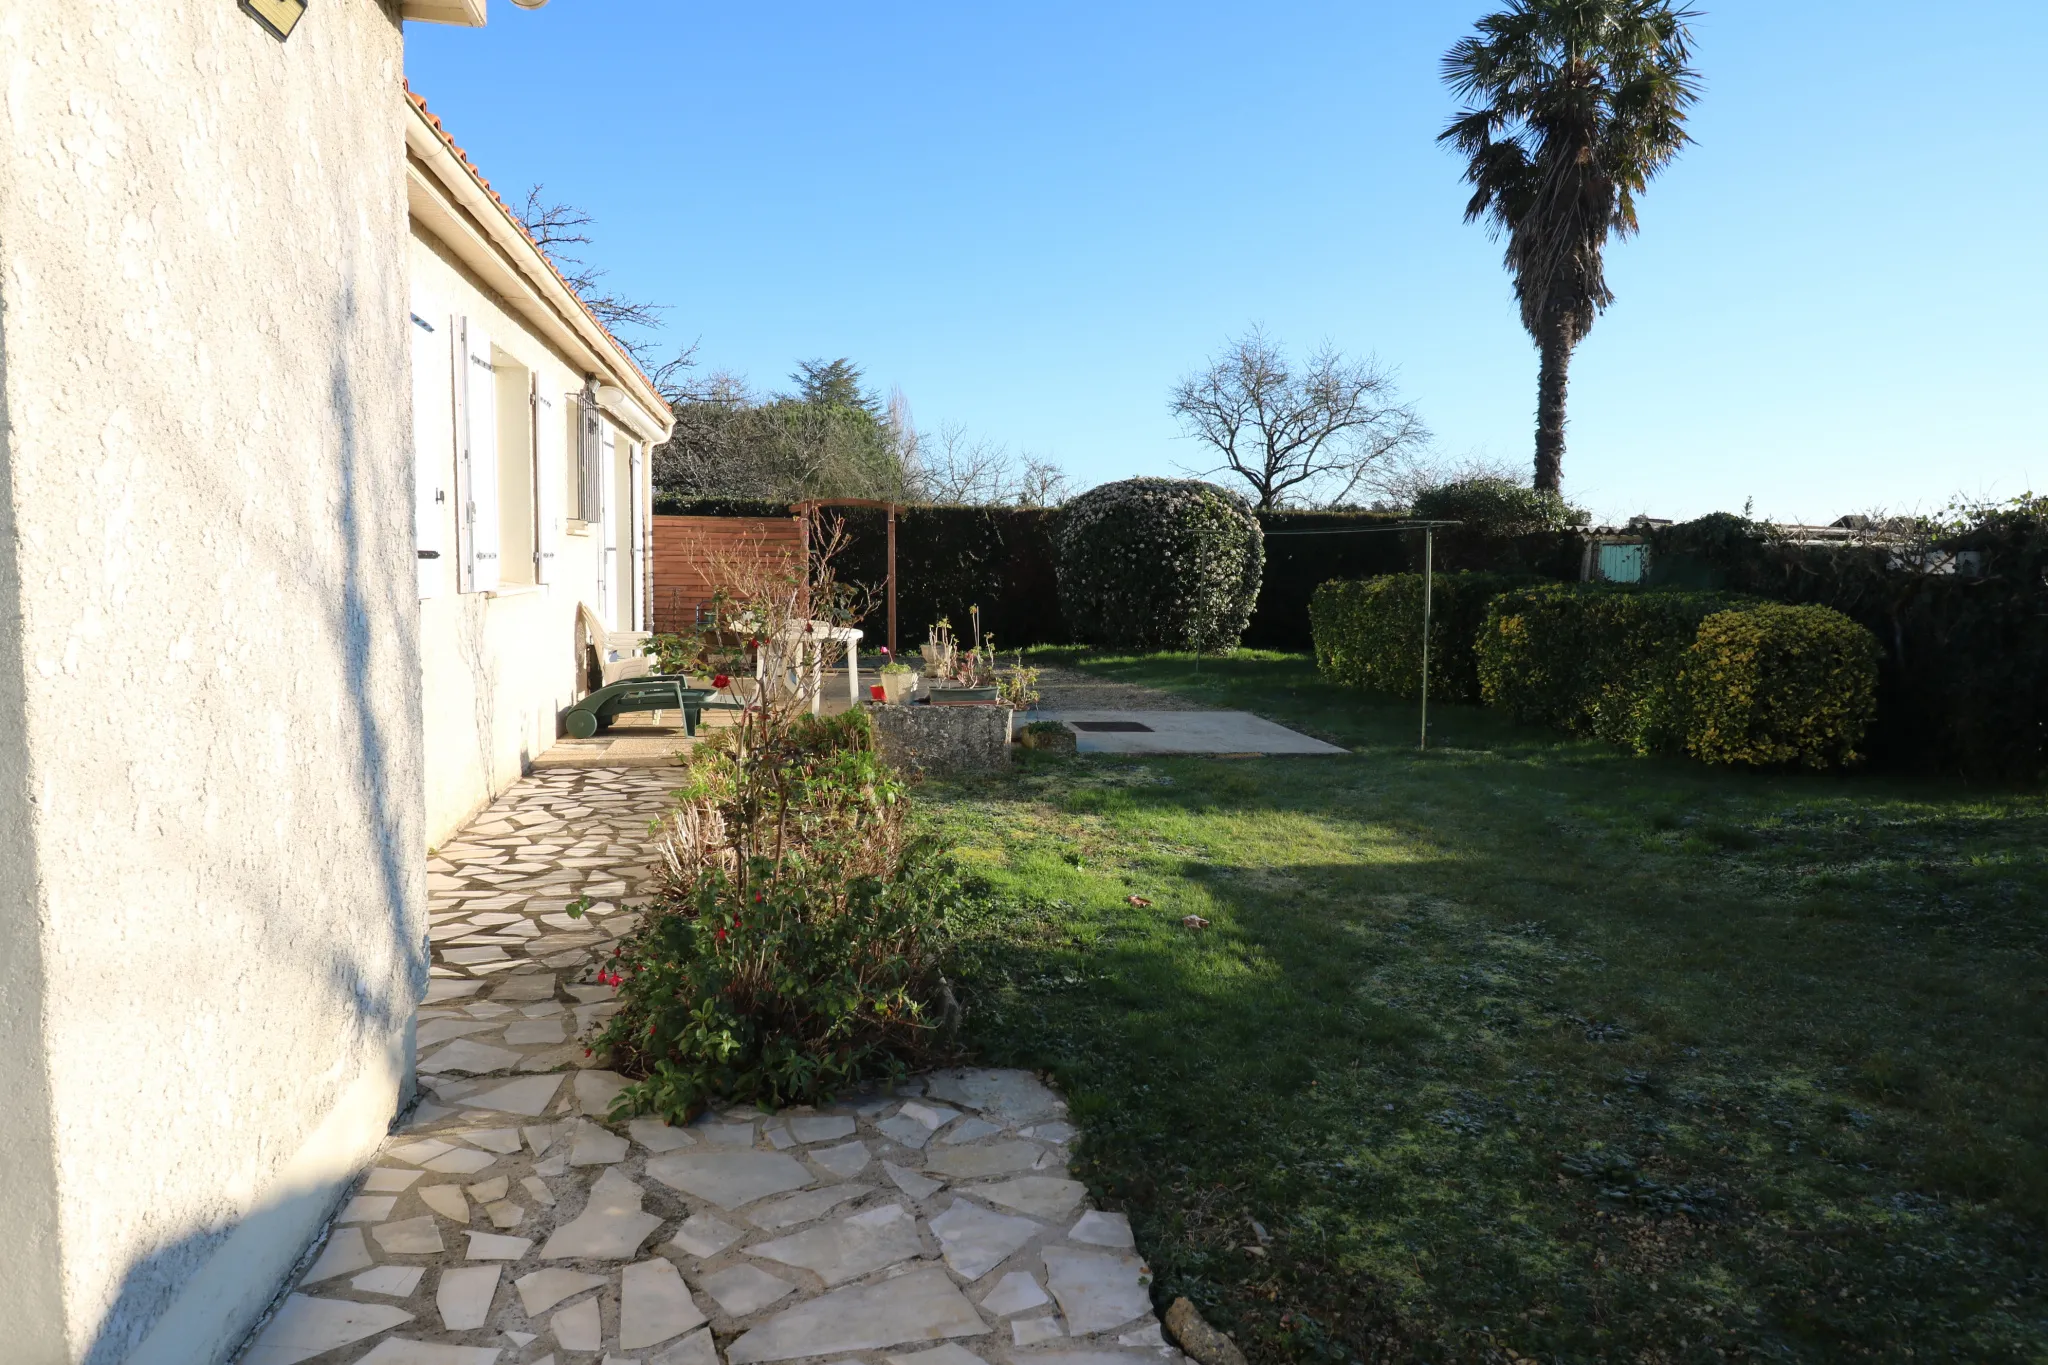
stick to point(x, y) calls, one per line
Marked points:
point(279, 16)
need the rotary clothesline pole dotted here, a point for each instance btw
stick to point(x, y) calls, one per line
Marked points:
point(1428, 529)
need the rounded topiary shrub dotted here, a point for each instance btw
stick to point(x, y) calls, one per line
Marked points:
point(1159, 564)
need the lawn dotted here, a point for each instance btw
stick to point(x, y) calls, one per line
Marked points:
point(1524, 1049)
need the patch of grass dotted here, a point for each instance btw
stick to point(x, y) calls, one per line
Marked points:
point(1523, 1047)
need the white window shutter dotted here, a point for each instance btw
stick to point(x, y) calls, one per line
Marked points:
point(636, 538)
point(433, 446)
point(589, 458)
point(480, 453)
point(550, 479)
point(608, 518)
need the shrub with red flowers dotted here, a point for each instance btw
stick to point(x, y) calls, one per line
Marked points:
point(795, 944)
point(801, 951)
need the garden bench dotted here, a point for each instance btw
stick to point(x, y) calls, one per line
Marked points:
point(657, 692)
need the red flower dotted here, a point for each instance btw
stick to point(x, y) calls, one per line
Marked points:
point(721, 682)
point(719, 933)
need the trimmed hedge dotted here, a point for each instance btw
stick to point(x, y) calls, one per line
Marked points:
point(1773, 684)
point(1368, 633)
point(1593, 659)
point(1723, 678)
point(1159, 564)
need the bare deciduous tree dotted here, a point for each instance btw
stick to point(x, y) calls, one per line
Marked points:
point(953, 466)
point(558, 229)
point(1315, 434)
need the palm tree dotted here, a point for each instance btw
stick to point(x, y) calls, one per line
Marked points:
point(1571, 107)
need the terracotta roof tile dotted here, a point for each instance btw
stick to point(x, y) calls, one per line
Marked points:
point(434, 122)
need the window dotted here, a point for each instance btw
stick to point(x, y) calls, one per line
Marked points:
point(517, 542)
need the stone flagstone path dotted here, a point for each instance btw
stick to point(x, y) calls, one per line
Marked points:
point(509, 1223)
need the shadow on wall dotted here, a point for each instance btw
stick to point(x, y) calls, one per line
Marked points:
point(368, 607)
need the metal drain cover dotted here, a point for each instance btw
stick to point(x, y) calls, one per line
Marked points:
point(1118, 727)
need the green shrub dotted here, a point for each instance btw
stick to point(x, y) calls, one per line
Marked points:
point(1594, 659)
point(1771, 684)
point(1368, 633)
point(1722, 677)
point(795, 946)
point(1492, 506)
point(1159, 564)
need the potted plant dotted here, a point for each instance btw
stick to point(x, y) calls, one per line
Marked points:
point(899, 680)
point(974, 681)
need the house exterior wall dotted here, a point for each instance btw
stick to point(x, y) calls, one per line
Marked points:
point(499, 667)
point(211, 899)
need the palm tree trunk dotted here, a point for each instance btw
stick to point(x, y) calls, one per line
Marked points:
point(1550, 395)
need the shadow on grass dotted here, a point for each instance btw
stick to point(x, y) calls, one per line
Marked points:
point(1535, 1048)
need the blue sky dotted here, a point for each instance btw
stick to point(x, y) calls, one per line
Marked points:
point(1035, 219)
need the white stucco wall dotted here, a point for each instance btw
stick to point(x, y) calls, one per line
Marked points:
point(211, 900)
point(499, 668)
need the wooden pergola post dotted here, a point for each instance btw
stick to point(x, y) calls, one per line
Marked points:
point(812, 504)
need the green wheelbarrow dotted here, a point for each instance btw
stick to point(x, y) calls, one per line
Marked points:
point(657, 692)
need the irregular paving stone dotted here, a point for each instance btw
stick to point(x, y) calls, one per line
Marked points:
point(577, 1327)
point(654, 1305)
point(304, 1327)
point(534, 1032)
point(595, 1091)
point(1147, 1335)
point(1050, 1132)
point(1093, 1356)
point(923, 1305)
point(593, 1146)
point(695, 1349)
point(724, 1134)
point(703, 1235)
point(850, 1247)
point(419, 1236)
point(441, 1030)
point(802, 1208)
point(447, 1201)
point(658, 1136)
point(464, 1295)
point(462, 1161)
point(421, 1152)
point(611, 1226)
point(490, 1191)
point(910, 1182)
point(527, 1095)
point(845, 1161)
point(1030, 1331)
point(997, 1158)
point(1013, 1096)
point(538, 1188)
point(389, 1180)
point(506, 1214)
point(729, 1179)
point(540, 987)
point(977, 1240)
point(778, 1137)
point(744, 1289)
point(1014, 1293)
point(438, 991)
point(1041, 1196)
point(397, 1281)
point(344, 1252)
point(503, 1141)
point(1097, 1290)
point(907, 1131)
point(952, 1353)
point(931, 1116)
point(1103, 1229)
point(543, 1289)
point(973, 1130)
point(491, 1246)
point(821, 1127)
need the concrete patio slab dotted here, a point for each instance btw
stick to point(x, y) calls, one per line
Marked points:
point(1181, 732)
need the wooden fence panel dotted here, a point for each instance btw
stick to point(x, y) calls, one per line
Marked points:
point(687, 549)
